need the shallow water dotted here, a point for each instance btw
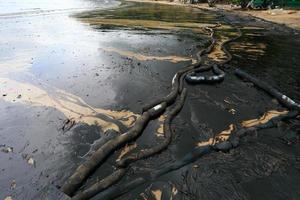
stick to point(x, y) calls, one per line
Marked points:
point(71, 70)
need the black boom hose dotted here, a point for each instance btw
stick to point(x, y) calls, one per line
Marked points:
point(283, 99)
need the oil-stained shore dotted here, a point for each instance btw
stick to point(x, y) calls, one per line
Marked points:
point(65, 80)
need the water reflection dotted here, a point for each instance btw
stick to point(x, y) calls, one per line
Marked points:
point(12, 8)
point(73, 107)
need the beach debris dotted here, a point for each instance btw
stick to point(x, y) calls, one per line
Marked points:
point(34, 151)
point(8, 198)
point(157, 194)
point(67, 124)
point(232, 111)
point(7, 149)
point(195, 166)
point(174, 190)
point(13, 184)
point(29, 159)
point(226, 101)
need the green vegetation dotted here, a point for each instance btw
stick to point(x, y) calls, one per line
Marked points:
point(267, 3)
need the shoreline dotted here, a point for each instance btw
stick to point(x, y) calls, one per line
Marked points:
point(283, 17)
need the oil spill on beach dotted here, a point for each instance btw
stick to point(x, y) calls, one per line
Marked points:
point(67, 77)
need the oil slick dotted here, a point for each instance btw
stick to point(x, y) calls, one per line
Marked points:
point(141, 57)
point(251, 50)
point(160, 192)
point(263, 119)
point(72, 106)
point(104, 20)
point(152, 24)
point(160, 129)
point(218, 54)
point(128, 148)
point(157, 194)
point(222, 136)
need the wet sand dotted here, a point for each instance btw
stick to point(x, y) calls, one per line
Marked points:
point(90, 71)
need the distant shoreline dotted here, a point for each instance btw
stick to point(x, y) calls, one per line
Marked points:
point(289, 18)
